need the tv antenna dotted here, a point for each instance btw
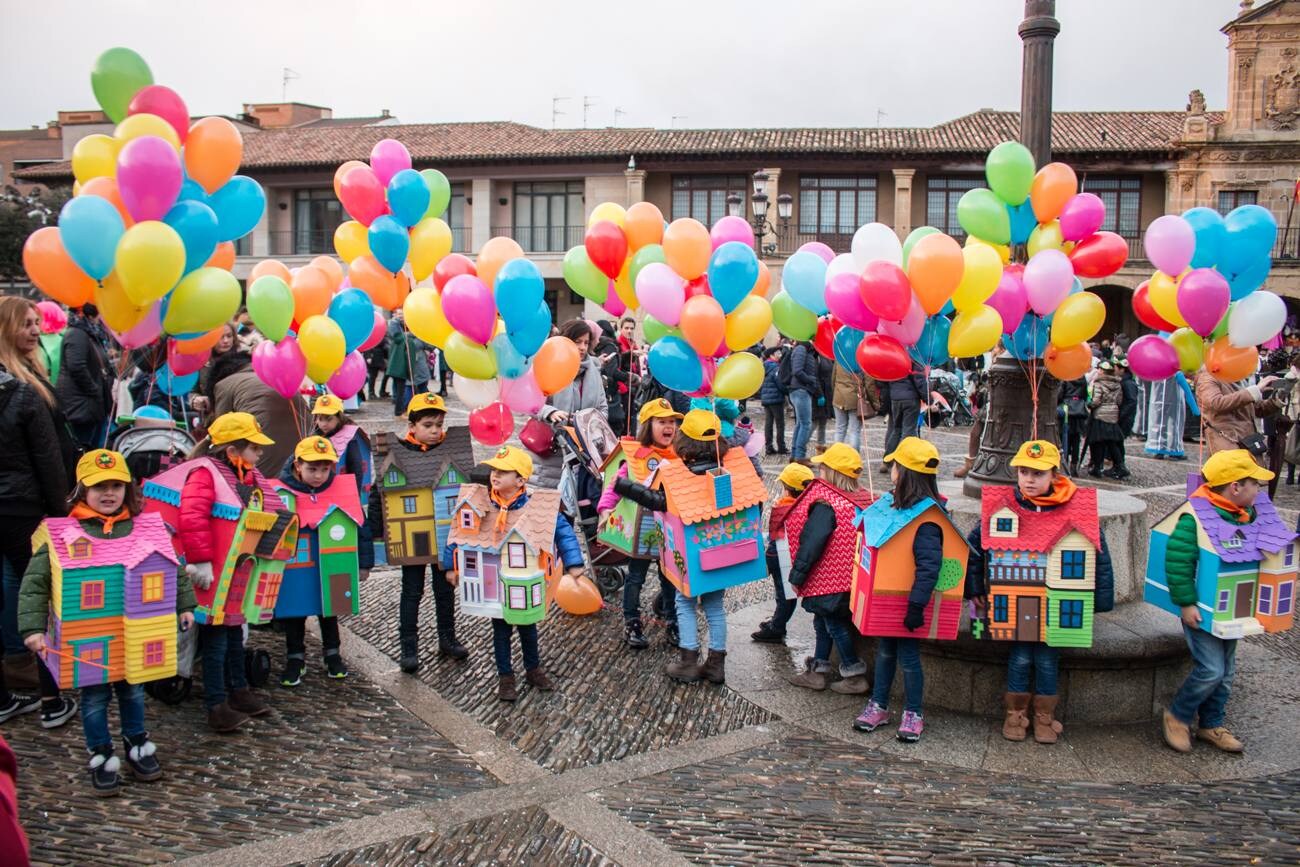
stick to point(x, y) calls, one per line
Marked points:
point(287, 75)
point(618, 115)
point(587, 103)
point(879, 116)
point(678, 117)
point(555, 108)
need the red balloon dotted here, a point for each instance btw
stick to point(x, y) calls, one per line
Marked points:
point(452, 265)
point(377, 333)
point(165, 103)
point(885, 290)
point(698, 286)
point(883, 358)
point(1099, 255)
point(824, 339)
point(1146, 313)
point(184, 365)
point(492, 425)
point(607, 247)
point(363, 197)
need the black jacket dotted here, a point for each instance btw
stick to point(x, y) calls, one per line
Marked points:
point(910, 387)
point(927, 551)
point(85, 386)
point(1130, 394)
point(655, 499)
point(33, 475)
point(816, 532)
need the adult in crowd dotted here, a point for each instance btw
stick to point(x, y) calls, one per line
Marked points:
point(1130, 397)
point(772, 396)
point(1072, 418)
point(237, 388)
point(408, 364)
point(85, 383)
point(144, 389)
point(1229, 411)
point(201, 399)
point(618, 356)
point(903, 397)
point(855, 398)
point(1166, 418)
point(805, 386)
point(823, 410)
point(1105, 436)
point(587, 391)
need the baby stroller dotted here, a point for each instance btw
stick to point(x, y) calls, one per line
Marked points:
point(174, 690)
point(584, 445)
point(948, 405)
point(151, 441)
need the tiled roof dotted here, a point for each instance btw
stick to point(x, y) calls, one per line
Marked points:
point(535, 522)
point(376, 120)
point(148, 536)
point(456, 449)
point(1265, 534)
point(341, 494)
point(690, 497)
point(1040, 531)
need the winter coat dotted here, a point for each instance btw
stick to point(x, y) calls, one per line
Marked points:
point(33, 473)
point(822, 408)
point(1182, 554)
point(365, 542)
point(408, 356)
point(1105, 399)
point(1074, 397)
point(805, 370)
point(587, 391)
point(771, 392)
point(927, 552)
point(1130, 394)
point(85, 386)
point(1229, 410)
point(850, 388)
point(909, 388)
point(567, 549)
point(279, 418)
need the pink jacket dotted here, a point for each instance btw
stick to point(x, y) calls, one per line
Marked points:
point(609, 499)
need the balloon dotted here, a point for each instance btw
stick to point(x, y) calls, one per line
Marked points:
point(661, 292)
point(171, 383)
point(1203, 298)
point(1251, 231)
point(1211, 235)
point(931, 347)
point(281, 366)
point(1228, 363)
point(687, 247)
point(1081, 216)
point(389, 242)
point(510, 361)
point(738, 377)
point(974, 331)
point(1078, 318)
point(606, 247)
point(1003, 250)
point(332, 269)
point(577, 595)
point(425, 318)
point(351, 241)
point(213, 152)
point(1190, 348)
point(378, 331)
point(906, 330)
point(703, 324)
point(733, 271)
point(915, 235)
point(148, 177)
point(1010, 300)
point(491, 424)
point(376, 281)
point(144, 332)
point(1009, 169)
point(935, 269)
point(731, 228)
point(1099, 255)
point(53, 319)
point(1021, 220)
point(804, 279)
point(614, 305)
point(673, 363)
point(322, 344)
point(982, 214)
point(239, 206)
point(654, 329)
point(1255, 319)
point(140, 125)
point(165, 103)
point(886, 290)
point(119, 313)
point(791, 319)
point(196, 224)
point(89, 228)
point(698, 286)
point(495, 253)
point(182, 364)
point(439, 192)
point(468, 305)
point(350, 376)
point(408, 197)
point(311, 293)
point(556, 364)
point(1048, 278)
point(1170, 242)
point(981, 271)
point(1069, 362)
point(95, 156)
point(475, 393)
point(645, 256)
point(270, 304)
point(845, 348)
point(363, 195)
point(643, 224)
point(1162, 292)
point(355, 315)
point(342, 171)
point(1046, 236)
point(150, 259)
point(387, 158)
point(430, 242)
point(1243, 282)
point(876, 242)
point(529, 337)
point(1053, 186)
point(205, 298)
point(748, 323)
point(452, 265)
point(53, 271)
point(1146, 313)
point(825, 253)
point(583, 276)
point(764, 281)
point(118, 75)
point(519, 289)
point(522, 394)
point(1030, 340)
point(883, 358)
point(844, 300)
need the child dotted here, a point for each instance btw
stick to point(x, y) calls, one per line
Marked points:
point(1041, 490)
point(350, 441)
point(311, 475)
point(794, 478)
point(654, 444)
point(106, 505)
point(772, 395)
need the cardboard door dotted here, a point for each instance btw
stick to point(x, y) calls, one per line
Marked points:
point(1027, 618)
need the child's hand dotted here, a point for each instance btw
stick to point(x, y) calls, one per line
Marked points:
point(363, 574)
point(35, 642)
point(1191, 616)
point(576, 571)
point(453, 577)
point(187, 620)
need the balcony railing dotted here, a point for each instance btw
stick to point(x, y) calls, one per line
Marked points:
point(302, 243)
point(543, 239)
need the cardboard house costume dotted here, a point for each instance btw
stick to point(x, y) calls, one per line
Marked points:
point(322, 578)
point(419, 491)
point(631, 528)
point(834, 571)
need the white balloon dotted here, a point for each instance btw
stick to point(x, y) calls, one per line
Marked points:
point(1256, 319)
point(476, 393)
point(842, 264)
point(876, 241)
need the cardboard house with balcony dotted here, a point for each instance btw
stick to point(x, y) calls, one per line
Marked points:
point(504, 566)
point(418, 492)
point(112, 603)
point(631, 528)
point(322, 578)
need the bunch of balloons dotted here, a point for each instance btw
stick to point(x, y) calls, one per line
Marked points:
point(1205, 295)
point(149, 233)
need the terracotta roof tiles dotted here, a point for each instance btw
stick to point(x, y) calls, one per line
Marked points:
point(690, 496)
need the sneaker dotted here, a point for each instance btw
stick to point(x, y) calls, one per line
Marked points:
point(335, 667)
point(140, 758)
point(104, 781)
point(57, 713)
point(634, 636)
point(767, 634)
point(873, 716)
point(909, 730)
point(293, 670)
point(1221, 738)
point(18, 704)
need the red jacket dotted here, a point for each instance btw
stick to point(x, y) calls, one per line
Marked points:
point(195, 537)
point(13, 842)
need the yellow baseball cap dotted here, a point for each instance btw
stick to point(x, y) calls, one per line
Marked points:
point(1233, 465)
point(795, 476)
point(842, 458)
point(917, 455)
point(1037, 455)
point(700, 424)
point(327, 404)
point(511, 459)
point(315, 449)
point(237, 426)
point(425, 401)
point(102, 465)
point(658, 408)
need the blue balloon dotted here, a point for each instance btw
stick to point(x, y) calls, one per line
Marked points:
point(1247, 281)
point(192, 192)
point(804, 277)
point(511, 363)
point(239, 206)
point(1030, 339)
point(529, 337)
point(1251, 231)
point(949, 309)
point(1076, 287)
point(518, 290)
point(389, 242)
point(845, 347)
point(1023, 221)
point(354, 314)
point(1211, 235)
point(931, 347)
point(90, 228)
point(170, 383)
point(408, 197)
point(676, 365)
point(733, 271)
point(196, 223)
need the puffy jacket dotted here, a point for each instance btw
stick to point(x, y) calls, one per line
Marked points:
point(278, 418)
point(33, 474)
point(849, 387)
point(408, 356)
point(910, 387)
point(927, 552)
point(1229, 411)
point(1130, 394)
point(805, 370)
point(771, 392)
point(196, 541)
point(85, 386)
point(1106, 394)
point(567, 549)
point(1181, 556)
point(587, 391)
point(365, 542)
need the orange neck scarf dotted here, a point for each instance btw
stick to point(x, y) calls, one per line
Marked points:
point(1063, 488)
point(1221, 502)
point(243, 469)
point(424, 447)
point(664, 452)
point(83, 512)
point(503, 505)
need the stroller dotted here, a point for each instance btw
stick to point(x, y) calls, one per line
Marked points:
point(584, 445)
point(151, 441)
point(948, 403)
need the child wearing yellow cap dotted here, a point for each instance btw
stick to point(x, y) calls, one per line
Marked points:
point(351, 442)
point(106, 505)
point(793, 478)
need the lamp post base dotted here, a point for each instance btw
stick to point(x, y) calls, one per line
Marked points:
point(1009, 421)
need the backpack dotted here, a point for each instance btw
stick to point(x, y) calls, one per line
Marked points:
point(785, 371)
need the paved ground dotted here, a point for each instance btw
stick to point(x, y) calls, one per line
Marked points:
point(617, 766)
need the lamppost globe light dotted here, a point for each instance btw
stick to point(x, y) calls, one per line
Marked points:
point(759, 204)
point(760, 182)
point(735, 205)
point(785, 206)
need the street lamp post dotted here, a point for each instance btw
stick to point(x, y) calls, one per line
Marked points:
point(760, 202)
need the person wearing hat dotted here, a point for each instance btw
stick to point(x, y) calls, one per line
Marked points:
point(1232, 484)
point(656, 426)
point(823, 535)
point(351, 442)
point(105, 504)
point(793, 478)
point(1041, 489)
point(1105, 436)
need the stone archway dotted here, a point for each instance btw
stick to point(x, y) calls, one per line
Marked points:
point(1120, 318)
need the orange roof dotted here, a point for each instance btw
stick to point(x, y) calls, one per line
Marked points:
point(535, 522)
point(690, 496)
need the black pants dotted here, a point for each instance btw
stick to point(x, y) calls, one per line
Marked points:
point(903, 417)
point(1107, 451)
point(295, 636)
point(784, 607)
point(527, 643)
point(444, 605)
point(775, 413)
point(1075, 426)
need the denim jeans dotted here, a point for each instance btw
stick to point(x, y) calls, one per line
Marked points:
point(904, 415)
point(803, 407)
point(527, 642)
point(402, 395)
point(637, 571)
point(889, 652)
point(1204, 694)
point(835, 630)
point(714, 613)
point(775, 413)
point(223, 662)
point(848, 427)
point(444, 605)
point(784, 607)
point(295, 636)
point(15, 554)
point(1043, 661)
point(94, 711)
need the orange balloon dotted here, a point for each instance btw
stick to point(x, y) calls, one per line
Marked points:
point(764, 281)
point(52, 270)
point(577, 595)
point(1228, 363)
point(311, 292)
point(1069, 363)
point(343, 170)
point(556, 364)
point(643, 224)
point(401, 288)
point(703, 324)
point(106, 188)
point(375, 280)
point(223, 257)
point(213, 150)
point(494, 254)
point(274, 267)
point(934, 268)
point(687, 247)
point(1053, 186)
point(204, 342)
point(330, 266)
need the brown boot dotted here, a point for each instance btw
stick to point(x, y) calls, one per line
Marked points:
point(714, 669)
point(855, 684)
point(1177, 733)
point(538, 679)
point(962, 473)
point(245, 701)
point(506, 688)
point(223, 718)
point(1045, 727)
point(687, 667)
point(20, 671)
point(813, 675)
point(1015, 726)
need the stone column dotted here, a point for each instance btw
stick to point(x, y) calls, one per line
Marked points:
point(480, 213)
point(635, 185)
point(903, 201)
point(773, 189)
point(1037, 32)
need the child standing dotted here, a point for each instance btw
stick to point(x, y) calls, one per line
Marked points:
point(350, 441)
point(772, 395)
point(106, 504)
point(793, 478)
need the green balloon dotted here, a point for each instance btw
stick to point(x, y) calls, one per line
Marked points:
point(654, 329)
point(917, 234)
point(791, 318)
point(583, 277)
point(982, 214)
point(270, 303)
point(118, 75)
point(205, 298)
point(1222, 328)
point(1010, 172)
point(647, 254)
point(439, 192)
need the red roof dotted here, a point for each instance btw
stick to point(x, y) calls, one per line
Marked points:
point(341, 494)
point(1044, 529)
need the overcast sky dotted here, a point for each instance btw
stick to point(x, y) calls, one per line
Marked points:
point(710, 63)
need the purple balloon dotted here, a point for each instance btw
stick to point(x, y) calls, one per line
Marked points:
point(387, 158)
point(280, 365)
point(731, 229)
point(1082, 216)
point(1010, 300)
point(819, 249)
point(844, 299)
point(148, 177)
point(1170, 243)
point(1203, 298)
point(467, 303)
point(1151, 358)
point(1049, 276)
point(350, 376)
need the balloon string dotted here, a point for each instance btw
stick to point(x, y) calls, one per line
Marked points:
point(862, 435)
point(1033, 380)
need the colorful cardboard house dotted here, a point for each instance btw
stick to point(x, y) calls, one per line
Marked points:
point(711, 530)
point(112, 603)
point(257, 539)
point(1245, 574)
point(321, 579)
point(885, 567)
point(420, 491)
point(631, 528)
point(1040, 568)
point(504, 566)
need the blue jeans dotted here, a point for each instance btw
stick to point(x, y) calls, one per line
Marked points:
point(1204, 694)
point(889, 652)
point(835, 630)
point(223, 660)
point(714, 613)
point(13, 579)
point(1041, 659)
point(94, 711)
point(637, 571)
point(501, 645)
point(784, 607)
point(803, 407)
point(402, 395)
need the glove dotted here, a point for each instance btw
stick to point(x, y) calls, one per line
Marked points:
point(821, 401)
point(915, 616)
point(200, 574)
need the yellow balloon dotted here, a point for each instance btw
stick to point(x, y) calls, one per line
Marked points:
point(979, 277)
point(974, 331)
point(607, 211)
point(1045, 236)
point(471, 360)
point(1003, 250)
point(1190, 348)
point(748, 323)
point(205, 298)
point(623, 286)
point(1079, 318)
point(150, 259)
point(424, 317)
point(351, 241)
point(323, 345)
point(1162, 292)
point(118, 311)
point(95, 156)
point(146, 124)
point(739, 376)
point(430, 242)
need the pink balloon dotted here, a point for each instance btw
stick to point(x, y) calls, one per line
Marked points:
point(184, 365)
point(1009, 300)
point(53, 317)
point(362, 195)
point(817, 248)
point(350, 376)
point(1048, 278)
point(710, 367)
point(1082, 215)
point(844, 300)
point(661, 292)
point(1150, 357)
point(492, 425)
point(165, 103)
point(467, 303)
point(1170, 243)
point(1203, 298)
point(377, 332)
point(731, 229)
point(907, 331)
point(522, 395)
point(614, 305)
point(387, 158)
point(148, 177)
point(145, 332)
point(280, 365)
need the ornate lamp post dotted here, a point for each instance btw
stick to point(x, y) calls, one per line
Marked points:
point(760, 202)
